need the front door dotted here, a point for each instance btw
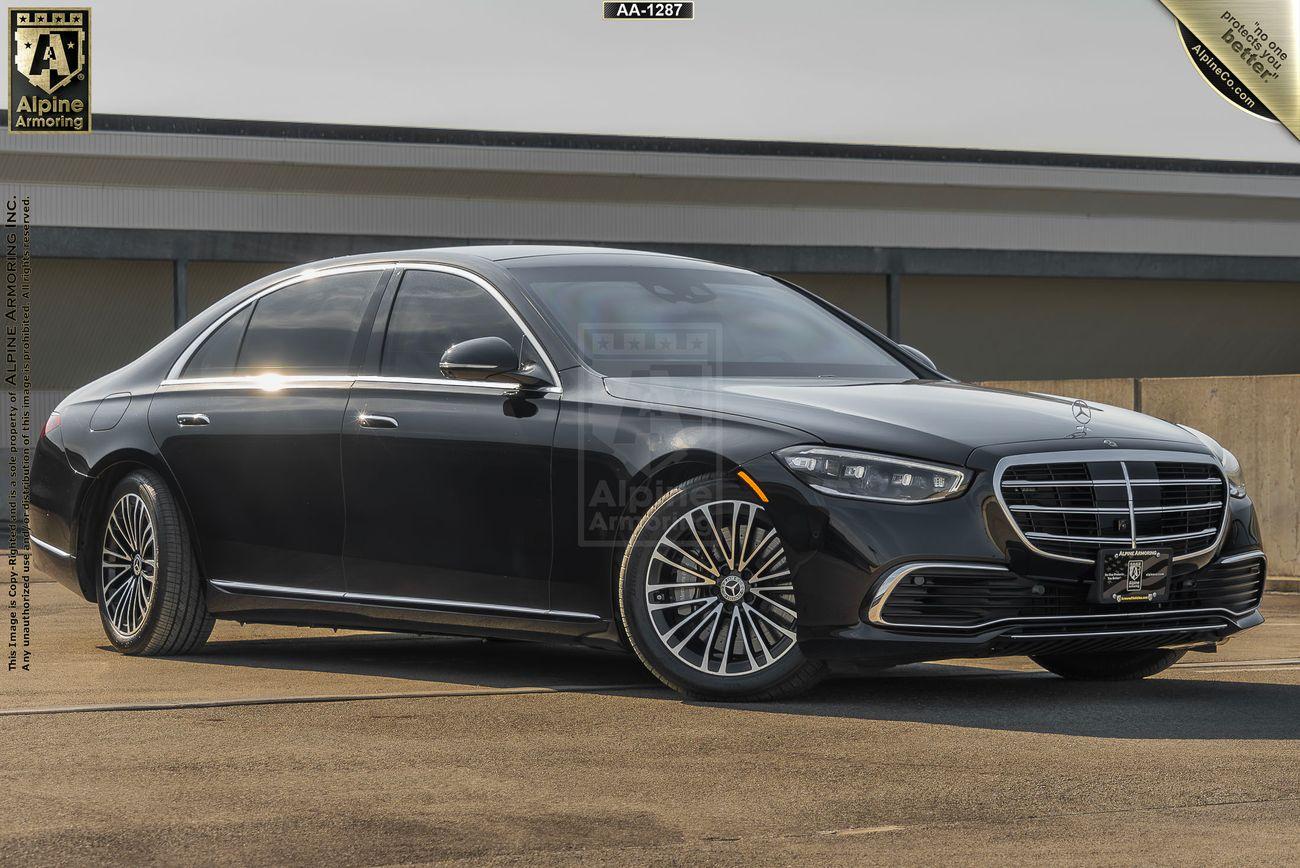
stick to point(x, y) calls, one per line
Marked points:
point(448, 483)
point(251, 431)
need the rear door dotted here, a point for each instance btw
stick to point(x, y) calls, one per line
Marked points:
point(250, 429)
point(448, 482)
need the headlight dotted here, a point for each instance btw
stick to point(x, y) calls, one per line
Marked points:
point(872, 477)
point(1231, 466)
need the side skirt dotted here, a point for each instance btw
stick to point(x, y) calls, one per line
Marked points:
point(304, 607)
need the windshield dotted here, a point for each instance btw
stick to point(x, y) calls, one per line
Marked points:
point(693, 321)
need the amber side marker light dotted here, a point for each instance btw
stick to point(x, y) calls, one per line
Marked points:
point(749, 480)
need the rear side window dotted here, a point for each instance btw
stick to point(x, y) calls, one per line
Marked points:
point(434, 310)
point(307, 328)
point(216, 356)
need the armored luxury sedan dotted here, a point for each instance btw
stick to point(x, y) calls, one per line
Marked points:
point(712, 468)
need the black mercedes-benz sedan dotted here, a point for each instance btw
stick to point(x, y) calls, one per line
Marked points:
point(713, 468)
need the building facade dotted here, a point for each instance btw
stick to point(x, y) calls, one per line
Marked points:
point(999, 265)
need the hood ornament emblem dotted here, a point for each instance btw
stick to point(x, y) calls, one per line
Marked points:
point(1082, 412)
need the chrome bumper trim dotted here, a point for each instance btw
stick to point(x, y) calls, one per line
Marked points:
point(891, 580)
point(1204, 628)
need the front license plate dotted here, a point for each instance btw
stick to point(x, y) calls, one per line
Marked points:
point(1132, 575)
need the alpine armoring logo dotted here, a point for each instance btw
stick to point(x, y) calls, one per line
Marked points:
point(49, 79)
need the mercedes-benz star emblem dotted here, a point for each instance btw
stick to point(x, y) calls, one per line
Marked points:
point(1082, 412)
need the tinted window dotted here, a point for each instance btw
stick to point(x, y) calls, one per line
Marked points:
point(434, 310)
point(692, 321)
point(216, 356)
point(308, 327)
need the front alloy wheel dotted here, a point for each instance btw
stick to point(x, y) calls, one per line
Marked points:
point(725, 606)
point(708, 600)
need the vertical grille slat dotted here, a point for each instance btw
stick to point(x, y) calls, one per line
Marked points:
point(1073, 508)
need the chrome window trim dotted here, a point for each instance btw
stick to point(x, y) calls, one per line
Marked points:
point(1107, 455)
point(52, 549)
point(174, 373)
point(383, 599)
point(238, 381)
point(450, 385)
point(259, 382)
point(501, 300)
point(891, 580)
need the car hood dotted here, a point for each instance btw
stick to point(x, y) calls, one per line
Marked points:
point(939, 420)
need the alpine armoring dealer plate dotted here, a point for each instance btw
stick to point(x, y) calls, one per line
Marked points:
point(1132, 575)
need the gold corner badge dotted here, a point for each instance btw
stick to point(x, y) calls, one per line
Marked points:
point(49, 79)
point(1247, 50)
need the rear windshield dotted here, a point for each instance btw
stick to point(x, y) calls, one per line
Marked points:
point(681, 320)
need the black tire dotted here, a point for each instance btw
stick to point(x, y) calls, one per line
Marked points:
point(1111, 666)
point(788, 674)
point(176, 620)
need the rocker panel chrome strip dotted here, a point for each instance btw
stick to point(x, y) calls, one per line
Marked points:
point(384, 600)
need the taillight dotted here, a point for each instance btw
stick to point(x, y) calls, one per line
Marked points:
point(52, 425)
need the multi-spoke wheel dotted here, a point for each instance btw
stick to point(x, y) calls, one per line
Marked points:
point(719, 591)
point(149, 591)
point(128, 566)
point(708, 599)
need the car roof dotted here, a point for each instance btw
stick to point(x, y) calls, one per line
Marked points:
point(503, 252)
point(491, 253)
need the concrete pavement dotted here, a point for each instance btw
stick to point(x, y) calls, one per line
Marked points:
point(970, 762)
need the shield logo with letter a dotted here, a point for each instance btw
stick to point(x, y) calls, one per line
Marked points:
point(1134, 575)
point(50, 46)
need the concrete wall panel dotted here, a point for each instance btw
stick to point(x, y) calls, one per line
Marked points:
point(1117, 391)
point(90, 317)
point(1258, 419)
point(983, 328)
point(861, 295)
point(212, 281)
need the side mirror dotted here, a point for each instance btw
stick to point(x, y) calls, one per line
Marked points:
point(920, 357)
point(488, 359)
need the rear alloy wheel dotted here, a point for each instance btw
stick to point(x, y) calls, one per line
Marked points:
point(708, 600)
point(149, 592)
point(129, 566)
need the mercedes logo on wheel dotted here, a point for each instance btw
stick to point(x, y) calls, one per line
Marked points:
point(1082, 412)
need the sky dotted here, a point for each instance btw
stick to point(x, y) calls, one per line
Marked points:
point(1102, 76)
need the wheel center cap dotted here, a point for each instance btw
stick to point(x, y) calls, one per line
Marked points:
point(732, 588)
point(137, 564)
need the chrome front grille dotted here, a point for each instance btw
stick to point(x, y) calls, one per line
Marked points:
point(1070, 505)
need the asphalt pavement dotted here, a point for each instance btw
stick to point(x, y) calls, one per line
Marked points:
point(297, 746)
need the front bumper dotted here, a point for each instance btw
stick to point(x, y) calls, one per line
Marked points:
point(866, 642)
point(849, 555)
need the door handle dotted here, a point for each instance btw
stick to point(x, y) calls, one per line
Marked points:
point(192, 419)
point(369, 420)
